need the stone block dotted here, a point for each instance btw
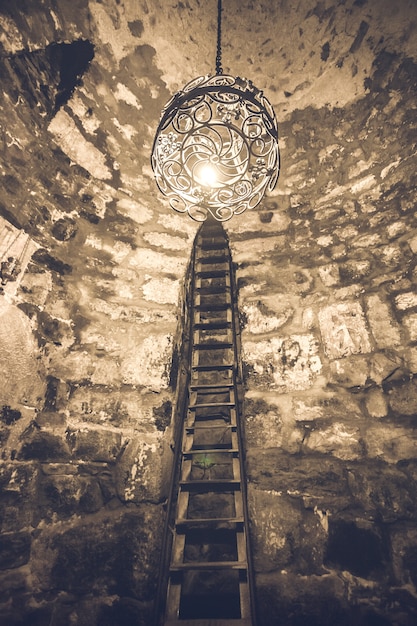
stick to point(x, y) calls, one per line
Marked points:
point(308, 319)
point(411, 359)
point(410, 323)
point(390, 256)
point(384, 329)
point(363, 184)
point(20, 373)
point(253, 226)
point(259, 248)
point(287, 598)
point(358, 168)
point(283, 534)
point(261, 319)
point(18, 495)
point(355, 271)
point(396, 229)
point(384, 365)
point(331, 407)
point(413, 244)
point(72, 141)
point(263, 424)
point(326, 214)
point(14, 549)
point(147, 363)
point(357, 547)
point(296, 200)
point(329, 274)
point(36, 287)
point(64, 496)
point(12, 583)
point(347, 293)
point(16, 518)
point(325, 241)
point(348, 232)
point(165, 241)
point(95, 445)
point(319, 481)
point(368, 241)
point(161, 290)
point(340, 440)
point(402, 398)
point(344, 330)
point(350, 372)
point(19, 480)
point(376, 403)
point(404, 553)
point(384, 492)
point(140, 471)
point(308, 410)
point(43, 446)
point(286, 364)
point(391, 443)
point(115, 554)
point(146, 259)
point(116, 407)
point(51, 419)
point(406, 301)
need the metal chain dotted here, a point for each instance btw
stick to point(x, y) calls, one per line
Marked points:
point(219, 69)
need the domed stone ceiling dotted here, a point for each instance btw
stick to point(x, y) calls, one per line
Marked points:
point(320, 55)
point(92, 314)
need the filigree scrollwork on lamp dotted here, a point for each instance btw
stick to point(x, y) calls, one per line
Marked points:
point(216, 146)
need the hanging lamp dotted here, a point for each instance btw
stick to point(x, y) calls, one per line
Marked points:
point(216, 147)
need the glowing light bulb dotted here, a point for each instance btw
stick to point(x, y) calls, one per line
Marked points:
point(208, 175)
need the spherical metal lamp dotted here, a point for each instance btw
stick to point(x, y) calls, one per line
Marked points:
point(216, 147)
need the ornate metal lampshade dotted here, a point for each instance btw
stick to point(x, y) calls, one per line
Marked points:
point(216, 146)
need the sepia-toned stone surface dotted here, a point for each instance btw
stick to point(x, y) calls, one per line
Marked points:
point(91, 327)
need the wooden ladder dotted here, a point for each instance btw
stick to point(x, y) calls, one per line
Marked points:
point(208, 582)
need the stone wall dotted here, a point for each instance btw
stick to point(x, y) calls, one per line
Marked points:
point(91, 326)
point(328, 299)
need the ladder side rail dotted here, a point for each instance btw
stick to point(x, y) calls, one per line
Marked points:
point(167, 540)
point(196, 339)
point(179, 416)
point(239, 410)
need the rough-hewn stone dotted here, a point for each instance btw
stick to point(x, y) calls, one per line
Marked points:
point(89, 333)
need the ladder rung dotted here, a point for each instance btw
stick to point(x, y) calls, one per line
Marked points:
point(203, 565)
point(210, 485)
point(213, 258)
point(209, 522)
point(215, 345)
point(216, 306)
point(214, 245)
point(211, 273)
point(213, 368)
point(219, 386)
point(226, 419)
point(229, 451)
point(215, 325)
point(209, 290)
point(210, 405)
point(213, 416)
point(190, 429)
point(213, 261)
